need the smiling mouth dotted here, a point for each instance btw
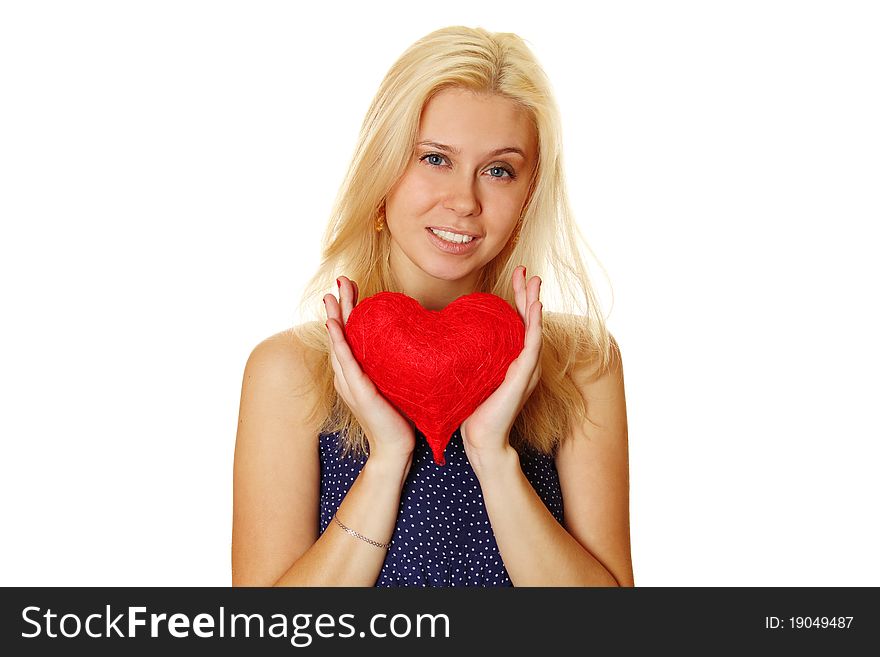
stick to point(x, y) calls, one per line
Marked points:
point(453, 237)
point(452, 247)
point(447, 229)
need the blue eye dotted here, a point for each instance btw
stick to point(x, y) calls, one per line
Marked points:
point(510, 174)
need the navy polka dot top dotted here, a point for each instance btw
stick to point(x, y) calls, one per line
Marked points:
point(442, 536)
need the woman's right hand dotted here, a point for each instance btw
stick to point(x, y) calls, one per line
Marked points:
point(391, 436)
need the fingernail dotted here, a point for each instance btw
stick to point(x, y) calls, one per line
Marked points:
point(338, 284)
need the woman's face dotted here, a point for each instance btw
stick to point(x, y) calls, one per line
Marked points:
point(473, 179)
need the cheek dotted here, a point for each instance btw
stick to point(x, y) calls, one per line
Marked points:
point(419, 184)
point(508, 217)
point(414, 195)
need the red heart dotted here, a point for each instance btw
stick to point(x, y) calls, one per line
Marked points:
point(436, 367)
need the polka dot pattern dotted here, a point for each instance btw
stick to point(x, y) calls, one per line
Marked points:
point(442, 536)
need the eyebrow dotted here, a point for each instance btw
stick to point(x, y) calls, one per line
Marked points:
point(456, 151)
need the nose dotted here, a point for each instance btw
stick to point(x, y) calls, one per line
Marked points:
point(461, 197)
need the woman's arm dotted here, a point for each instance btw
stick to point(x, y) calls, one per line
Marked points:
point(593, 549)
point(370, 508)
point(276, 487)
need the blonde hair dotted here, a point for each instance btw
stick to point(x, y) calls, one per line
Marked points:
point(483, 62)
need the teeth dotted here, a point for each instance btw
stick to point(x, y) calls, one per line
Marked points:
point(452, 237)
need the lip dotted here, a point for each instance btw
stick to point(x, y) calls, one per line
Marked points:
point(449, 247)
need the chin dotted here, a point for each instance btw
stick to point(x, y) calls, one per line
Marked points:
point(448, 273)
point(445, 271)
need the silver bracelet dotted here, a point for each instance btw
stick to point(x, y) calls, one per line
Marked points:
point(363, 538)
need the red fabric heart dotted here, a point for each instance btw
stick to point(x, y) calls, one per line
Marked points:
point(436, 367)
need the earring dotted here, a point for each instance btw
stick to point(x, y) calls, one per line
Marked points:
point(380, 219)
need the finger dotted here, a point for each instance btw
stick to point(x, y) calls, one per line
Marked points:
point(535, 332)
point(334, 362)
point(338, 377)
point(533, 382)
point(328, 299)
point(346, 296)
point(334, 309)
point(339, 363)
point(356, 292)
point(358, 382)
point(351, 369)
point(532, 291)
point(519, 291)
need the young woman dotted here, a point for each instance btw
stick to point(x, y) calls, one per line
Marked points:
point(333, 486)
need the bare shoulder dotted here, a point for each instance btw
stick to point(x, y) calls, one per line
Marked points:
point(600, 382)
point(278, 393)
point(280, 358)
point(276, 471)
point(587, 367)
point(593, 465)
point(591, 375)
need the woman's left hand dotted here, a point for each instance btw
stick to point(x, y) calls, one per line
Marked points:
point(486, 432)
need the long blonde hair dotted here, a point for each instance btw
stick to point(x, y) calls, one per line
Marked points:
point(484, 62)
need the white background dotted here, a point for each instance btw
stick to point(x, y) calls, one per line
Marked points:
point(166, 170)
